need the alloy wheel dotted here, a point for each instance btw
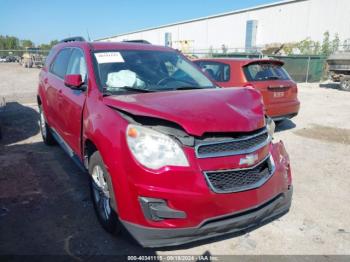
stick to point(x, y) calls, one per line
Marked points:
point(101, 192)
point(43, 124)
point(346, 85)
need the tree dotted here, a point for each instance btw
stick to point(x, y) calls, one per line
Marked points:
point(27, 43)
point(9, 42)
point(53, 42)
point(13, 43)
point(346, 45)
point(317, 48)
point(326, 46)
point(335, 43)
point(305, 46)
point(48, 46)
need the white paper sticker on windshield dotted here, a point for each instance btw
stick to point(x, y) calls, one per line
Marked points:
point(109, 57)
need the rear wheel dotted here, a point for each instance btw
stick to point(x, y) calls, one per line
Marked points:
point(45, 129)
point(101, 192)
point(345, 85)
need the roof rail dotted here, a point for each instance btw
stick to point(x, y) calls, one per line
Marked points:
point(140, 41)
point(73, 39)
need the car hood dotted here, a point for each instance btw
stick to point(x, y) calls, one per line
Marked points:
point(198, 111)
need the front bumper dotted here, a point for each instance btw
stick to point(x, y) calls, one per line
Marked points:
point(185, 189)
point(217, 226)
point(283, 117)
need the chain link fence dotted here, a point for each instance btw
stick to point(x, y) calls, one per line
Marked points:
point(5, 53)
point(302, 68)
point(31, 57)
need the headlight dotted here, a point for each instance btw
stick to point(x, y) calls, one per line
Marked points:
point(153, 149)
point(270, 125)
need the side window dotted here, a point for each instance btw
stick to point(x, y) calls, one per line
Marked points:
point(59, 66)
point(49, 57)
point(77, 64)
point(217, 71)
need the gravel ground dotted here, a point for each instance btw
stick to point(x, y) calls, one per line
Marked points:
point(45, 205)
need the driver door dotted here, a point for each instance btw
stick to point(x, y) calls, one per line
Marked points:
point(72, 102)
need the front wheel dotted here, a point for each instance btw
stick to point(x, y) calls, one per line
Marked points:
point(101, 192)
point(345, 85)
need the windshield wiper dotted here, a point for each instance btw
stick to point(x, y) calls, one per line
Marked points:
point(126, 88)
point(106, 93)
point(189, 87)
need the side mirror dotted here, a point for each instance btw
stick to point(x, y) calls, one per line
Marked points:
point(74, 82)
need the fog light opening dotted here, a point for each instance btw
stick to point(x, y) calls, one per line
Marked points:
point(157, 209)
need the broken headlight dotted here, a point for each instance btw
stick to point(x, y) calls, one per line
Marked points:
point(154, 149)
point(270, 125)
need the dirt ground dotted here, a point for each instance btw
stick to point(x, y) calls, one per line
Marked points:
point(45, 205)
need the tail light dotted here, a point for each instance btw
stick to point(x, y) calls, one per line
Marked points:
point(295, 89)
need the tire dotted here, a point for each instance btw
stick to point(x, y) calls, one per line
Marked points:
point(45, 130)
point(345, 85)
point(101, 194)
point(279, 122)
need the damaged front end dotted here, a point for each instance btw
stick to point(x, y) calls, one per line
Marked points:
point(187, 182)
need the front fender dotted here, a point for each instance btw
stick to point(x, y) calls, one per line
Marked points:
point(105, 128)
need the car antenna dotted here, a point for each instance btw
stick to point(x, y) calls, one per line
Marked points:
point(88, 35)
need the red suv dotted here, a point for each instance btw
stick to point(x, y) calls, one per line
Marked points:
point(268, 76)
point(171, 157)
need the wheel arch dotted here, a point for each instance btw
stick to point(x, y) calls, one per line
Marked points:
point(89, 149)
point(38, 99)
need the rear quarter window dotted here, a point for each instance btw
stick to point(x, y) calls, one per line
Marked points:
point(219, 72)
point(60, 63)
point(265, 71)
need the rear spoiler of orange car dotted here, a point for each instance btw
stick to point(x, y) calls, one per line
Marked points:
point(264, 61)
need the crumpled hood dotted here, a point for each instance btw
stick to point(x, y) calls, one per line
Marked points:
point(198, 111)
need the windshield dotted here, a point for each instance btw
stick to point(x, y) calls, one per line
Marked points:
point(265, 71)
point(126, 70)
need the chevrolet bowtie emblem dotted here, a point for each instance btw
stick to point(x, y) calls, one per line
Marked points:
point(249, 159)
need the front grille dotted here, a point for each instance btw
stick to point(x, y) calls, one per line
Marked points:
point(228, 181)
point(241, 145)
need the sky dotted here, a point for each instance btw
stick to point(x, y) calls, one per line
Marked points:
point(44, 20)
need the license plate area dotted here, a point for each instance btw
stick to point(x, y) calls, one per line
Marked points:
point(278, 94)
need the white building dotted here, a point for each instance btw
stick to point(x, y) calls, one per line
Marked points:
point(280, 22)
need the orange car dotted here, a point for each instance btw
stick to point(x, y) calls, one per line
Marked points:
point(279, 91)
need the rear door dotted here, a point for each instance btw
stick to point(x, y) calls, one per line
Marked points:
point(272, 80)
point(72, 102)
point(54, 84)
